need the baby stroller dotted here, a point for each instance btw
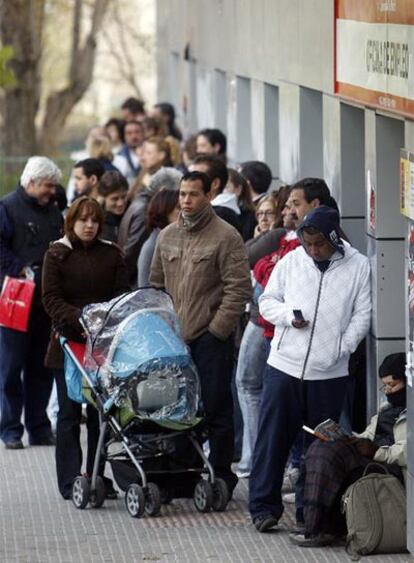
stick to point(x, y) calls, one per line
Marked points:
point(138, 373)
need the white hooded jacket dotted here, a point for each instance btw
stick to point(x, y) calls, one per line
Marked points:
point(337, 303)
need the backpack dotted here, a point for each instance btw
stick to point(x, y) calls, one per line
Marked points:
point(375, 511)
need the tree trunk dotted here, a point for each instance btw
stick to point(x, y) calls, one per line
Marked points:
point(21, 23)
point(60, 104)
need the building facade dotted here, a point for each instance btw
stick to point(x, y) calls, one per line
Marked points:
point(315, 88)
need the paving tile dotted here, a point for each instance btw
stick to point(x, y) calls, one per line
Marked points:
point(37, 526)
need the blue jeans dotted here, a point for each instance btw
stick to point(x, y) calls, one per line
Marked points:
point(287, 404)
point(250, 367)
point(24, 381)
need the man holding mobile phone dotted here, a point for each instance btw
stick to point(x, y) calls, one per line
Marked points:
point(318, 298)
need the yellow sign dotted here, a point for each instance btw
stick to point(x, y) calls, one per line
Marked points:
point(407, 183)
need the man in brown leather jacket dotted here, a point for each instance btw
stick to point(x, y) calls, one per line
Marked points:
point(201, 261)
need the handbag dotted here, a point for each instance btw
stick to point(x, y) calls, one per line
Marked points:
point(16, 300)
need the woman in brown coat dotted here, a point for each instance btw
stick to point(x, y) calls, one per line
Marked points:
point(78, 270)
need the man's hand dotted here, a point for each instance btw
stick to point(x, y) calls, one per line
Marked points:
point(365, 447)
point(300, 324)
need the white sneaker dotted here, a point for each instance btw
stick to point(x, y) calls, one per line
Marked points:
point(289, 498)
point(289, 480)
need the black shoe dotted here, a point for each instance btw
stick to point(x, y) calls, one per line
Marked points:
point(47, 441)
point(264, 522)
point(319, 540)
point(14, 445)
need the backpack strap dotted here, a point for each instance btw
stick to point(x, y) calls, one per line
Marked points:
point(373, 468)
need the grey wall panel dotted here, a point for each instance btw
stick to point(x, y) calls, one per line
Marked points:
point(410, 509)
point(258, 124)
point(332, 146)
point(220, 100)
point(289, 132)
point(388, 287)
point(295, 45)
point(243, 119)
point(352, 147)
point(311, 133)
point(271, 130)
point(410, 477)
point(205, 97)
point(410, 426)
point(389, 141)
point(355, 231)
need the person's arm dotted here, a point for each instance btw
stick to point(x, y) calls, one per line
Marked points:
point(272, 304)
point(10, 264)
point(137, 235)
point(361, 315)
point(396, 453)
point(121, 276)
point(59, 310)
point(263, 245)
point(263, 269)
point(157, 278)
point(369, 432)
point(237, 287)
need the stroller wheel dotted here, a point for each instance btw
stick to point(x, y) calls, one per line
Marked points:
point(135, 500)
point(221, 495)
point(97, 497)
point(152, 500)
point(80, 492)
point(203, 496)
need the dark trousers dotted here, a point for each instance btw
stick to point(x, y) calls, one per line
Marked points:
point(287, 404)
point(25, 383)
point(214, 361)
point(68, 447)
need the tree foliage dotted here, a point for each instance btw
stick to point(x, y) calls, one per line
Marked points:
point(22, 24)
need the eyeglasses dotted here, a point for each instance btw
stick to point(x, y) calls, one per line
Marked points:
point(266, 214)
point(389, 386)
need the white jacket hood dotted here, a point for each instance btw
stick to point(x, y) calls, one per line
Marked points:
point(227, 199)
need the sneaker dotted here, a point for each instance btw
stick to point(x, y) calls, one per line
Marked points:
point(264, 522)
point(289, 498)
point(289, 480)
point(319, 540)
point(14, 445)
point(243, 474)
point(298, 528)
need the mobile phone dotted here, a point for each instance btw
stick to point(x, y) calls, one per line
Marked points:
point(297, 313)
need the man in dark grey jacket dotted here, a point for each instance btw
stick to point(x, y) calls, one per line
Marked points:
point(29, 221)
point(132, 230)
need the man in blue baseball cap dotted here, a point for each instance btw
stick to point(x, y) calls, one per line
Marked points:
point(318, 298)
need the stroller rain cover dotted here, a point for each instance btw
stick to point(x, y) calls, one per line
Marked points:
point(136, 355)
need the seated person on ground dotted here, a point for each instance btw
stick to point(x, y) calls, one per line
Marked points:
point(332, 466)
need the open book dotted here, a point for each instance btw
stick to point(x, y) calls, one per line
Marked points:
point(328, 431)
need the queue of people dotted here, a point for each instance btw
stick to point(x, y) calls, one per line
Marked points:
point(272, 298)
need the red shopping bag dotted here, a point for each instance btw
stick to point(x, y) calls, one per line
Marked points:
point(15, 303)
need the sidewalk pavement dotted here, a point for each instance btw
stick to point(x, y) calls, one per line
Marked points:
point(38, 526)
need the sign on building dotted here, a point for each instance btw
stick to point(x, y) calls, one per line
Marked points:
point(407, 183)
point(375, 53)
